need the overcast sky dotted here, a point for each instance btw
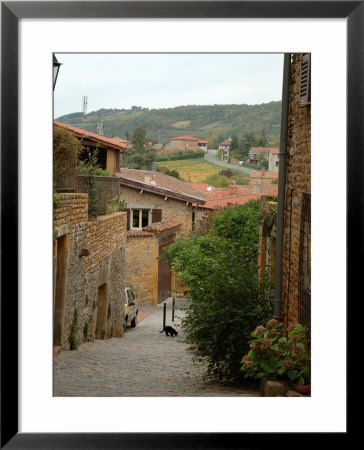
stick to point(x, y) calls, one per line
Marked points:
point(165, 80)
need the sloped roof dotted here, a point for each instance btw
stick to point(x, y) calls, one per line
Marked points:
point(187, 137)
point(232, 195)
point(79, 133)
point(161, 184)
point(230, 200)
point(226, 142)
point(155, 228)
point(264, 174)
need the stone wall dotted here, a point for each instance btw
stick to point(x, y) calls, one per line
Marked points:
point(142, 252)
point(89, 258)
point(171, 208)
point(182, 144)
point(142, 267)
point(298, 181)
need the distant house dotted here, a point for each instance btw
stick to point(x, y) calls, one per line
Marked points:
point(159, 208)
point(273, 160)
point(202, 144)
point(263, 177)
point(254, 154)
point(109, 149)
point(225, 145)
point(185, 143)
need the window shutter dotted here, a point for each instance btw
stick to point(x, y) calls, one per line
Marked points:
point(156, 215)
point(305, 84)
point(128, 219)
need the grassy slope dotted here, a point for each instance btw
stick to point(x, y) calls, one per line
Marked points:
point(193, 170)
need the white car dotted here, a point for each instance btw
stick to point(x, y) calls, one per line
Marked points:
point(131, 307)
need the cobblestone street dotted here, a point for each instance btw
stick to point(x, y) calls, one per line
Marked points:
point(142, 363)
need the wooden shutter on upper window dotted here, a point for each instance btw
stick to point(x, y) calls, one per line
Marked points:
point(156, 215)
point(128, 219)
point(305, 83)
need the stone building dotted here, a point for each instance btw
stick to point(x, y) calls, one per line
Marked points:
point(109, 149)
point(159, 209)
point(262, 177)
point(184, 143)
point(89, 273)
point(273, 160)
point(295, 302)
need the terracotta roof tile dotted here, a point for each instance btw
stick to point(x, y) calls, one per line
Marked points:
point(264, 174)
point(78, 132)
point(161, 184)
point(187, 137)
point(155, 228)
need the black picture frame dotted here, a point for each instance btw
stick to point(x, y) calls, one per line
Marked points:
point(11, 12)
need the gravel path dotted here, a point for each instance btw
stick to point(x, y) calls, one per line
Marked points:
point(142, 363)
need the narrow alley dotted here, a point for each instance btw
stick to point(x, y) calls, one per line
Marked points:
point(144, 363)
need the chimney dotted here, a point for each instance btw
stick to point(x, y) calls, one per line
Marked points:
point(257, 186)
point(147, 179)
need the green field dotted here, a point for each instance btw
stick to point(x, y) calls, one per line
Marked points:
point(193, 170)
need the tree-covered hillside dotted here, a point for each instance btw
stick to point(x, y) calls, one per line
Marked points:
point(210, 122)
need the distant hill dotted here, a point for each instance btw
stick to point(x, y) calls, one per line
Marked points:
point(203, 121)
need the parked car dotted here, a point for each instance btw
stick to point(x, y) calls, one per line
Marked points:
point(131, 307)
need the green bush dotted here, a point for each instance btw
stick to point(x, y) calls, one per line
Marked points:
point(227, 299)
point(181, 156)
point(279, 354)
point(218, 181)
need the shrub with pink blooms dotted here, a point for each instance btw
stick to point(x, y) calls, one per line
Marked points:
point(279, 354)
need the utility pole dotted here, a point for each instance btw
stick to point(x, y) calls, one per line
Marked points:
point(84, 111)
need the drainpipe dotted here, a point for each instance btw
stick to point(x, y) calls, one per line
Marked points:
point(281, 187)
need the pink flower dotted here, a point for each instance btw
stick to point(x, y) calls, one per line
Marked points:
point(271, 323)
point(259, 330)
point(248, 364)
point(265, 344)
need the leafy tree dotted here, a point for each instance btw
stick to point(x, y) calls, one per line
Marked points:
point(234, 144)
point(263, 140)
point(66, 151)
point(263, 160)
point(248, 141)
point(227, 299)
point(141, 155)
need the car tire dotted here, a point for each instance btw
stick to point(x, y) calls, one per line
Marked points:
point(133, 323)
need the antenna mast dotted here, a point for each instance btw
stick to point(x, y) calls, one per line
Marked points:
point(100, 126)
point(84, 110)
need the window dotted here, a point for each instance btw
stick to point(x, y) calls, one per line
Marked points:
point(140, 218)
point(305, 83)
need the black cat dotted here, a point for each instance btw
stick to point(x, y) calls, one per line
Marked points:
point(169, 330)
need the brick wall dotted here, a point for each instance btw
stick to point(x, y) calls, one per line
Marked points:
point(298, 181)
point(94, 256)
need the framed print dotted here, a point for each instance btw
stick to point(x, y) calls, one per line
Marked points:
point(27, 419)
